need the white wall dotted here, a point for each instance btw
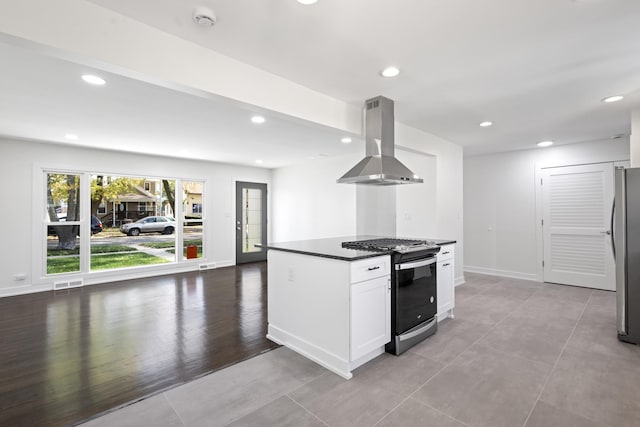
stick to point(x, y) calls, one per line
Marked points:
point(448, 194)
point(416, 204)
point(500, 203)
point(17, 162)
point(308, 203)
point(400, 210)
point(375, 210)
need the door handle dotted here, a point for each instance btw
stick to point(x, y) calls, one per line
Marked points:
point(608, 232)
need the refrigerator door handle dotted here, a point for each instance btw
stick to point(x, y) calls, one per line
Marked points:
point(613, 230)
point(620, 241)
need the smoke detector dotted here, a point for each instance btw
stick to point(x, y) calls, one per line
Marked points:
point(204, 17)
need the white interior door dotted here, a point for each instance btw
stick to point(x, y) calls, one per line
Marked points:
point(576, 215)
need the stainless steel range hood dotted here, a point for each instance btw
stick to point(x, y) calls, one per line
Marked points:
point(379, 167)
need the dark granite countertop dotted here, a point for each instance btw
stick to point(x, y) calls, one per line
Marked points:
point(332, 247)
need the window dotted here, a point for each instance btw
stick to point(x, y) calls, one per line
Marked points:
point(72, 200)
point(62, 223)
point(193, 228)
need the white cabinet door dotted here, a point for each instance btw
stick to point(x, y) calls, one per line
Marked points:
point(444, 276)
point(370, 315)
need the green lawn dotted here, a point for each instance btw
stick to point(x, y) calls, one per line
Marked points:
point(63, 265)
point(184, 251)
point(171, 244)
point(102, 249)
point(102, 262)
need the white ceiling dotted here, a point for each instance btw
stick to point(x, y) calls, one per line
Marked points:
point(44, 98)
point(537, 69)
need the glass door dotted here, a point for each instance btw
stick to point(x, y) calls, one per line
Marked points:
point(251, 221)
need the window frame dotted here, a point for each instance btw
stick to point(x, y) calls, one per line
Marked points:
point(39, 225)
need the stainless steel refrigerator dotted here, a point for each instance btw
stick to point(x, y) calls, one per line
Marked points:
point(626, 243)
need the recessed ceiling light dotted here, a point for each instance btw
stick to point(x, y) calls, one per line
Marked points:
point(259, 162)
point(94, 80)
point(614, 98)
point(307, 2)
point(486, 124)
point(258, 119)
point(545, 143)
point(71, 136)
point(390, 72)
point(346, 140)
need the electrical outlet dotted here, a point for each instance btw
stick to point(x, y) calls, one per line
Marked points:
point(19, 277)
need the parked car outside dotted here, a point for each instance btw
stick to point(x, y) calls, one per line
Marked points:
point(96, 225)
point(150, 224)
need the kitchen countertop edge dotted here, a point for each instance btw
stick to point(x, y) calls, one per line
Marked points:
point(325, 255)
point(331, 252)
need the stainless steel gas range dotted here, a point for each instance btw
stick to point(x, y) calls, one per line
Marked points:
point(413, 288)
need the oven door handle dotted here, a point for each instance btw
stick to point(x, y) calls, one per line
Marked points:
point(416, 264)
point(409, 335)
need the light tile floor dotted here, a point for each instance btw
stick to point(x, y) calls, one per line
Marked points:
point(518, 353)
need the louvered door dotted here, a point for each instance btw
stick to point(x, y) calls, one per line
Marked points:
point(576, 212)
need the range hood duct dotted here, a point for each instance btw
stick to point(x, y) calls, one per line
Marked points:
point(379, 167)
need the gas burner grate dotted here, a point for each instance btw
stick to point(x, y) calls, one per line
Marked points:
point(383, 244)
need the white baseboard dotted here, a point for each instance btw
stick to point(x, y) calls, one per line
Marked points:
point(97, 278)
point(24, 290)
point(501, 273)
point(332, 362)
point(459, 281)
point(224, 263)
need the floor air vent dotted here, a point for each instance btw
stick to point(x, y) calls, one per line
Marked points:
point(69, 284)
point(207, 266)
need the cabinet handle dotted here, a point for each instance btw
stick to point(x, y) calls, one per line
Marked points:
point(377, 267)
point(444, 265)
point(444, 253)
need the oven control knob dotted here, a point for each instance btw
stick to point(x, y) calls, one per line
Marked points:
point(431, 300)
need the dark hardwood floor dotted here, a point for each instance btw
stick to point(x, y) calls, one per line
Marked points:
point(70, 355)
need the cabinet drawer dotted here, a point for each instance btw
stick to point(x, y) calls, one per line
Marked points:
point(446, 253)
point(370, 268)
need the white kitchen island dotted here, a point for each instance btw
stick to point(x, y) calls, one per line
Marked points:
point(330, 304)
